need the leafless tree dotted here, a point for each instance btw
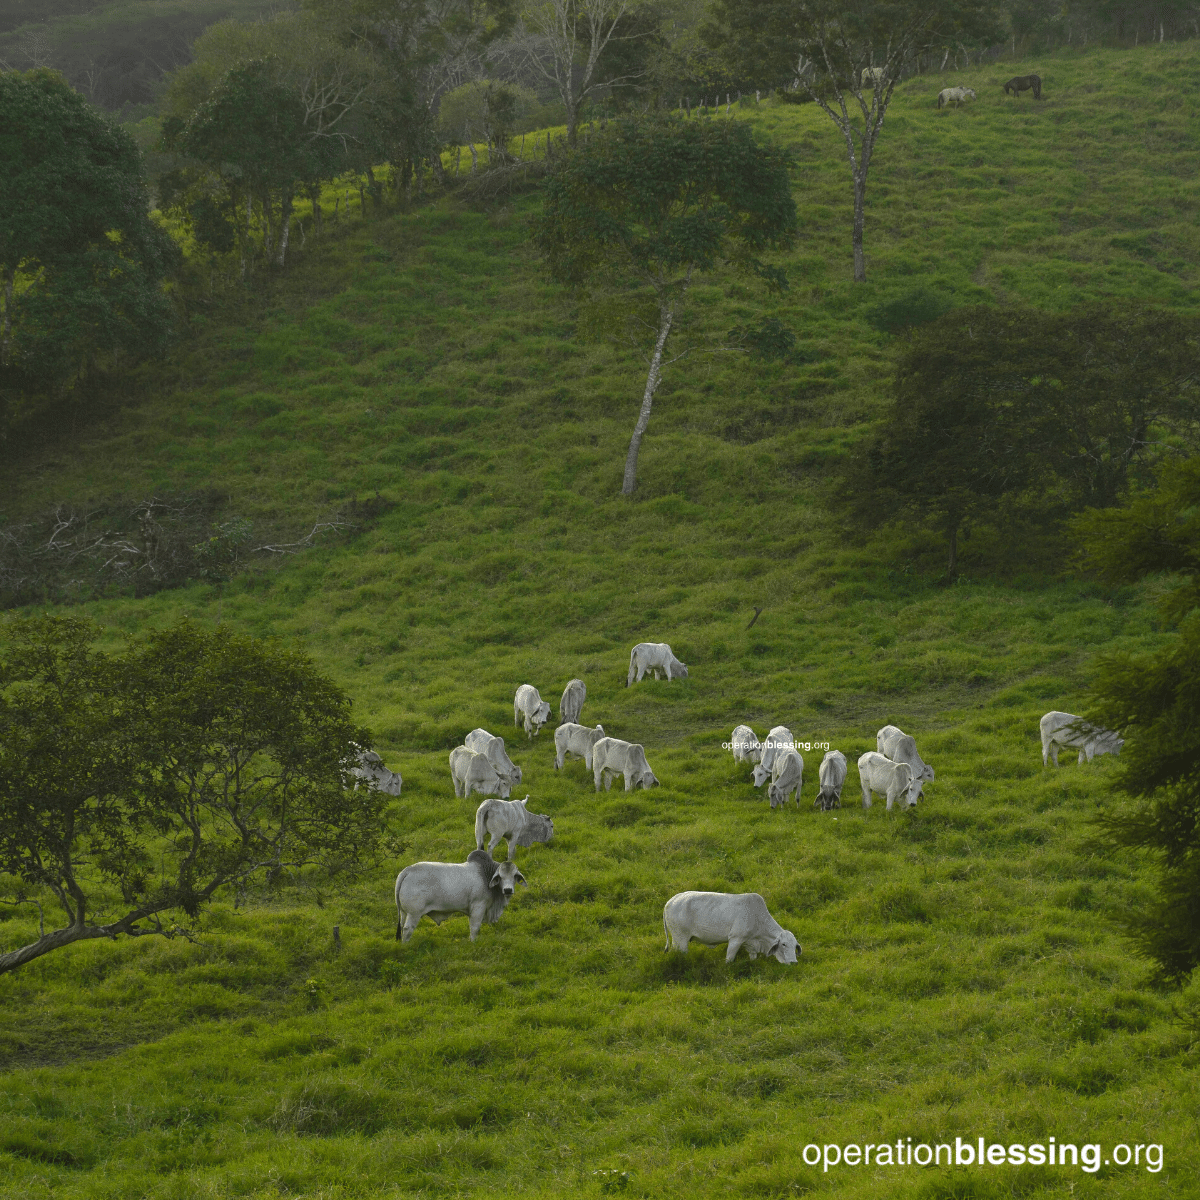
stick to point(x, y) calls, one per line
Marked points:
point(568, 39)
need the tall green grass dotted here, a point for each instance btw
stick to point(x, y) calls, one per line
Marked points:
point(961, 973)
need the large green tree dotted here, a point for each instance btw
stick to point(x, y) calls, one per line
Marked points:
point(823, 47)
point(82, 264)
point(644, 207)
point(1154, 702)
point(140, 784)
point(995, 411)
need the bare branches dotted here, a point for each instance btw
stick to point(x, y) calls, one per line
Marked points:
point(336, 525)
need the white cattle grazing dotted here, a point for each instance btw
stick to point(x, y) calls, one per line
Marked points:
point(529, 705)
point(492, 748)
point(369, 769)
point(895, 744)
point(746, 746)
point(1062, 730)
point(654, 656)
point(832, 775)
point(872, 77)
point(575, 739)
point(571, 705)
point(780, 738)
point(472, 772)
point(955, 95)
point(612, 757)
point(510, 819)
point(879, 774)
point(479, 887)
point(787, 776)
point(739, 919)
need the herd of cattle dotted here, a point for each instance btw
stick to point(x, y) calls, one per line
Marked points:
point(482, 887)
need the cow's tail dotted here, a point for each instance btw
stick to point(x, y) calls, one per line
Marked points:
point(480, 825)
point(632, 666)
point(666, 932)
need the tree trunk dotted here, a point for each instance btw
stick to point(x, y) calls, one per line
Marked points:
point(952, 567)
point(572, 124)
point(666, 315)
point(6, 317)
point(860, 201)
point(474, 158)
point(285, 226)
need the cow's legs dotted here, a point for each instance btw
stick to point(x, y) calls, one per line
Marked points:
point(1082, 755)
point(476, 918)
point(735, 945)
point(411, 921)
point(866, 791)
point(1054, 753)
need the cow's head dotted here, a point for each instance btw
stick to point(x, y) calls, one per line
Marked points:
point(503, 788)
point(910, 783)
point(676, 670)
point(648, 779)
point(761, 774)
point(600, 730)
point(543, 712)
point(786, 947)
point(507, 877)
point(827, 799)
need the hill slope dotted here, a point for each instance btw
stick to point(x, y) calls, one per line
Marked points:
point(960, 977)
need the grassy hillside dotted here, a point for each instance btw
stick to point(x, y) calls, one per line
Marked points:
point(960, 975)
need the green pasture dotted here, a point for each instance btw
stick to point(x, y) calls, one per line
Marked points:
point(962, 975)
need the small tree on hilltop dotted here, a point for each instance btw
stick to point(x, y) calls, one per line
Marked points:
point(140, 784)
point(823, 48)
point(643, 206)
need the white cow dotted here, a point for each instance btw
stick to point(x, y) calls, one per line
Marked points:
point(612, 757)
point(654, 656)
point(879, 774)
point(369, 769)
point(575, 739)
point(787, 776)
point(492, 748)
point(510, 819)
point(739, 919)
point(569, 708)
point(479, 887)
point(1062, 730)
point(746, 746)
point(780, 738)
point(832, 775)
point(897, 745)
point(955, 95)
point(529, 705)
point(472, 772)
point(872, 77)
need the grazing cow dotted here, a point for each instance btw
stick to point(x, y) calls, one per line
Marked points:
point(832, 775)
point(479, 887)
point(575, 739)
point(529, 705)
point(473, 772)
point(612, 757)
point(510, 819)
point(1024, 83)
point(872, 77)
point(654, 656)
point(895, 744)
point(739, 919)
point(746, 746)
point(955, 95)
point(780, 738)
point(571, 705)
point(492, 748)
point(1062, 730)
point(787, 776)
point(369, 769)
point(879, 774)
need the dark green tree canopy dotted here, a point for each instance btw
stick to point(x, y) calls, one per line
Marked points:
point(996, 410)
point(138, 784)
point(1154, 702)
point(82, 264)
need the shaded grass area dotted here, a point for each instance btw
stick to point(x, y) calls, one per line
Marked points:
point(961, 975)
